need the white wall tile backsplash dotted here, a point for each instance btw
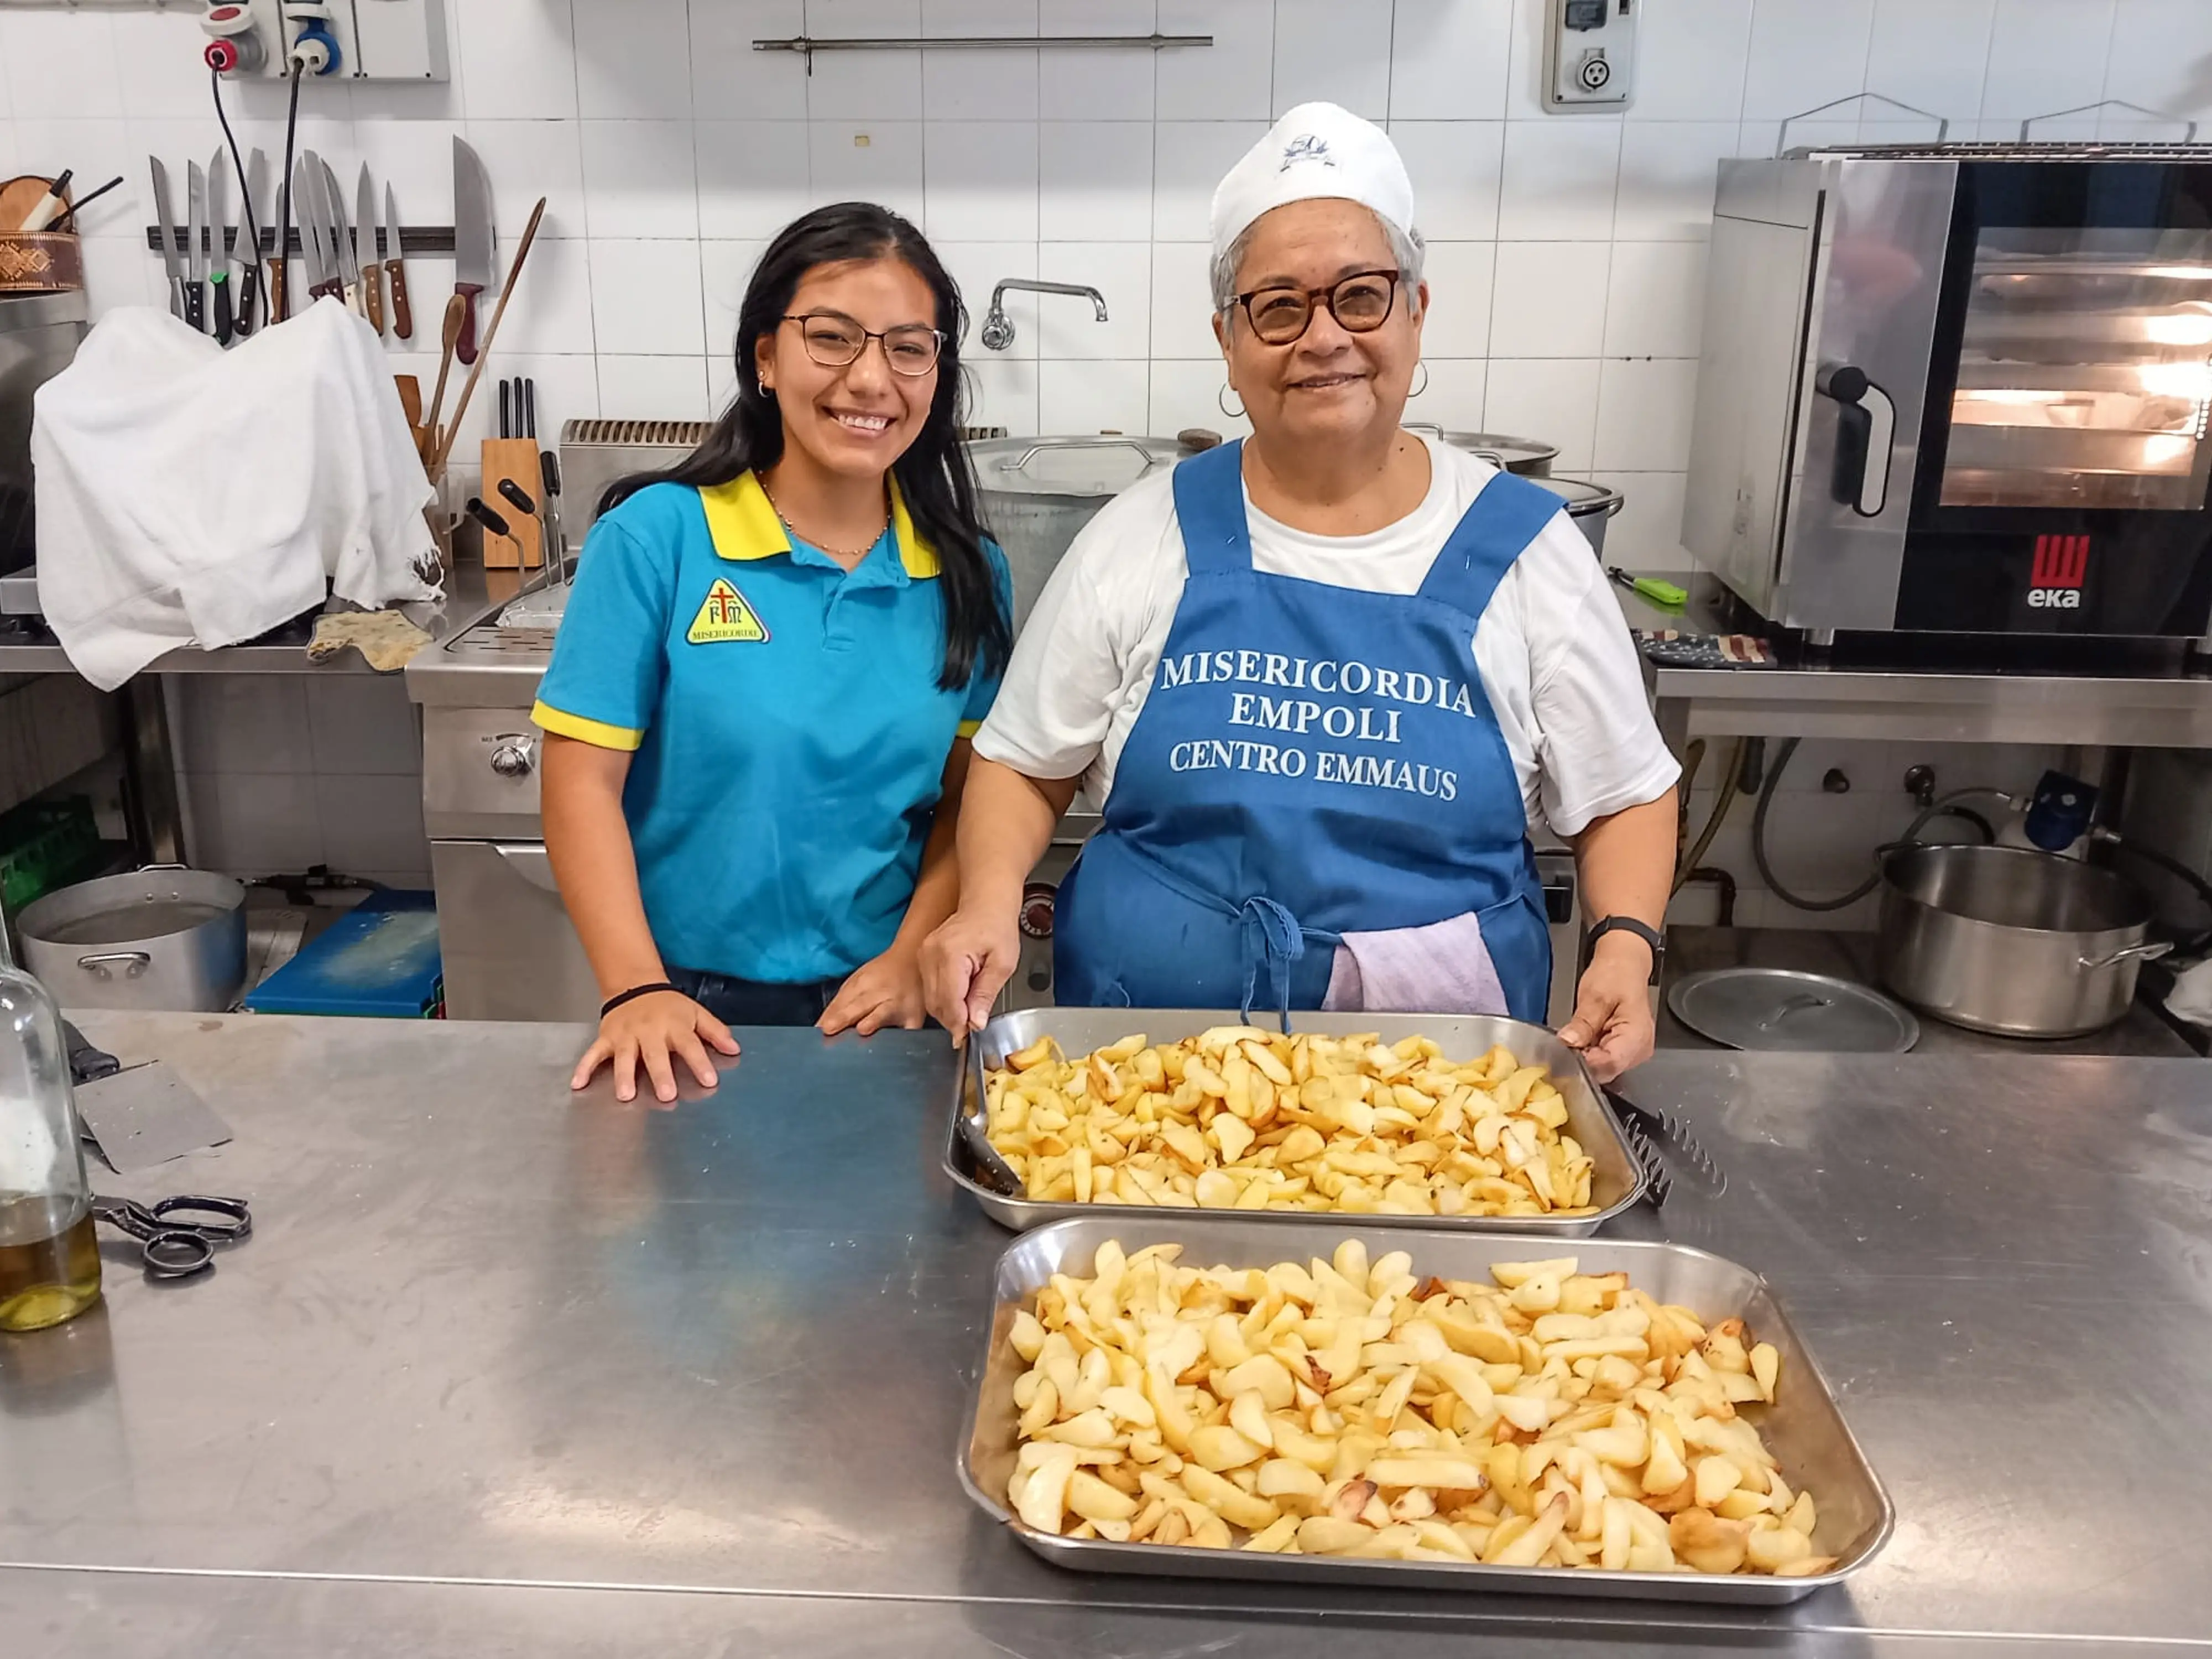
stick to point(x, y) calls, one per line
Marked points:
point(1566, 258)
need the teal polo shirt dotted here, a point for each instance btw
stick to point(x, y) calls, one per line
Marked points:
point(789, 732)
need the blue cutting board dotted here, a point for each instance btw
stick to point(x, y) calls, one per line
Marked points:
point(381, 961)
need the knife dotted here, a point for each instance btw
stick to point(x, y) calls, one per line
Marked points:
point(196, 258)
point(170, 259)
point(364, 219)
point(395, 266)
point(251, 200)
point(348, 263)
point(307, 192)
point(218, 206)
point(474, 237)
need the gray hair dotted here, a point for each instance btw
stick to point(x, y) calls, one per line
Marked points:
point(1405, 247)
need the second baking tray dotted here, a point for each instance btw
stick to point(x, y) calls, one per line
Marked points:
point(1616, 1178)
point(1804, 1427)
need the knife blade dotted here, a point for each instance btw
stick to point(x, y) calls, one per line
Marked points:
point(251, 200)
point(171, 260)
point(372, 271)
point(348, 263)
point(306, 190)
point(196, 258)
point(218, 206)
point(474, 240)
point(395, 266)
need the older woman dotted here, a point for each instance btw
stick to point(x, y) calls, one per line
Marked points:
point(1323, 680)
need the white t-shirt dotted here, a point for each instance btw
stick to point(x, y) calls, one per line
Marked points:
point(1553, 655)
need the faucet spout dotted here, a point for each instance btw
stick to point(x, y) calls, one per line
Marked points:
point(998, 332)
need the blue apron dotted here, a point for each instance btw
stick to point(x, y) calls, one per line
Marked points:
point(1311, 761)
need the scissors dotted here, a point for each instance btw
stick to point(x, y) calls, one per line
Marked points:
point(176, 1246)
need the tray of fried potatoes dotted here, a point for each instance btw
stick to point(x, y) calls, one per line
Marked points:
point(1493, 1117)
point(1325, 1403)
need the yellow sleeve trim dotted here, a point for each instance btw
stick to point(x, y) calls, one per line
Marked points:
point(597, 733)
point(969, 728)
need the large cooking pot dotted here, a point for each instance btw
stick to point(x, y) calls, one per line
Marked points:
point(2006, 939)
point(1589, 505)
point(1038, 492)
point(1530, 457)
point(164, 936)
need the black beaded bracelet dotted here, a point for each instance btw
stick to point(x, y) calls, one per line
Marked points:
point(634, 992)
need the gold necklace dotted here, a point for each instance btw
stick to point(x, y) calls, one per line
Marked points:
point(792, 530)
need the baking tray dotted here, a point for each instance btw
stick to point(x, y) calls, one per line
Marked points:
point(1616, 1178)
point(1804, 1427)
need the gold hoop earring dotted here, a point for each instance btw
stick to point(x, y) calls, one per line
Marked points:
point(1424, 367)
point(1221, 403)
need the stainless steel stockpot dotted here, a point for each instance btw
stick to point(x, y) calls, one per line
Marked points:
point(2011, 940)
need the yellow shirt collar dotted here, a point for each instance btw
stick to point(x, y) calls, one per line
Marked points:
point(744, 526)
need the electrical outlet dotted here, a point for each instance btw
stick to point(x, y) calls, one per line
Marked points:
point(1589, 55)
point(332, 39)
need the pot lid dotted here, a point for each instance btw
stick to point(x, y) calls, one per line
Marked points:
point(1100, 464)
point(1782, 1010)
point(1531, 456)
point(1583, 498)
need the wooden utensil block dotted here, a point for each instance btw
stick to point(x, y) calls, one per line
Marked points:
point(515, 459)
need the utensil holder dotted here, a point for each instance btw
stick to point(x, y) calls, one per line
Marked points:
point(515, 459)
point(41, 262)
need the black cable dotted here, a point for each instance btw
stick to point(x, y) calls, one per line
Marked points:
point(2175, 867)
point(238, 168)
point(284, 195)
point(1940, 810)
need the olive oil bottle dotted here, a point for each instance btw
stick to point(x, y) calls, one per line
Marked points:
point(49, 1259)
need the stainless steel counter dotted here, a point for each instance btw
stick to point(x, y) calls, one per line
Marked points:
point(2164, 707)
point(496, 1363)
point(1851, 957)
point(470, 591)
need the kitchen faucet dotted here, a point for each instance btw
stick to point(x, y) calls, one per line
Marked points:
point(999, 328)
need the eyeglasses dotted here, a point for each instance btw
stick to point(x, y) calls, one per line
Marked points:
point(836, 342)
point(1360, 303)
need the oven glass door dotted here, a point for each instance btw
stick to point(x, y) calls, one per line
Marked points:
point(2076, 340)
point(2085, 370)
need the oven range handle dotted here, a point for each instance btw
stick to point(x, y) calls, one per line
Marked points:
point(528, 859)
point(1866, 421)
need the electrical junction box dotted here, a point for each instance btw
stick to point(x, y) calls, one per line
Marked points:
point(335, 39)
point(1589, 54)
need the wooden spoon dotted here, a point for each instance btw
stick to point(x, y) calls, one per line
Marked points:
point(457, 311)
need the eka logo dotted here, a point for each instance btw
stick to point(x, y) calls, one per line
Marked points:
point(1307, 147)
point(2061, 562)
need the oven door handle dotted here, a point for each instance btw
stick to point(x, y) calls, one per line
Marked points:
point(528, 859)
point(1866, 421)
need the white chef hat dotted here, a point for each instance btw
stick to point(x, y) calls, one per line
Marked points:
point(1316, 150)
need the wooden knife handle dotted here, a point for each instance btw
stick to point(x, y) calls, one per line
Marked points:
point(464, 348)
point(276, 312)
point(372, 294)
point(402, 318)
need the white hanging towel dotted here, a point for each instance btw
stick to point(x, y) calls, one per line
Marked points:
point(188, 494)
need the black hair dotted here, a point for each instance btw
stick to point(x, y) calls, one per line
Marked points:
point(934, 475)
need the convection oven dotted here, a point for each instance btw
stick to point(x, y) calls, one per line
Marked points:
point(1961, 389)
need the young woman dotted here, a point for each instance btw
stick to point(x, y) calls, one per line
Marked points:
point(758, 709)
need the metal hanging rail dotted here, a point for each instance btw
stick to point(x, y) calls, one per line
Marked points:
point(807, 44)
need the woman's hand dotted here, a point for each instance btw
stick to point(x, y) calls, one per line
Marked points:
point(964, 965)
point(659, 1029)
point(1612, 1023)
point(882, 993)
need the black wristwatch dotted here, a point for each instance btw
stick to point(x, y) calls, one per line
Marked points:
point(1649, 935)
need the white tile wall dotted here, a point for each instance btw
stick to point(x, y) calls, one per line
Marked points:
point(1567, 251)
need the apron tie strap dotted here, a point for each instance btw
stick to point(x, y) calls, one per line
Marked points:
point(1281, 942)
